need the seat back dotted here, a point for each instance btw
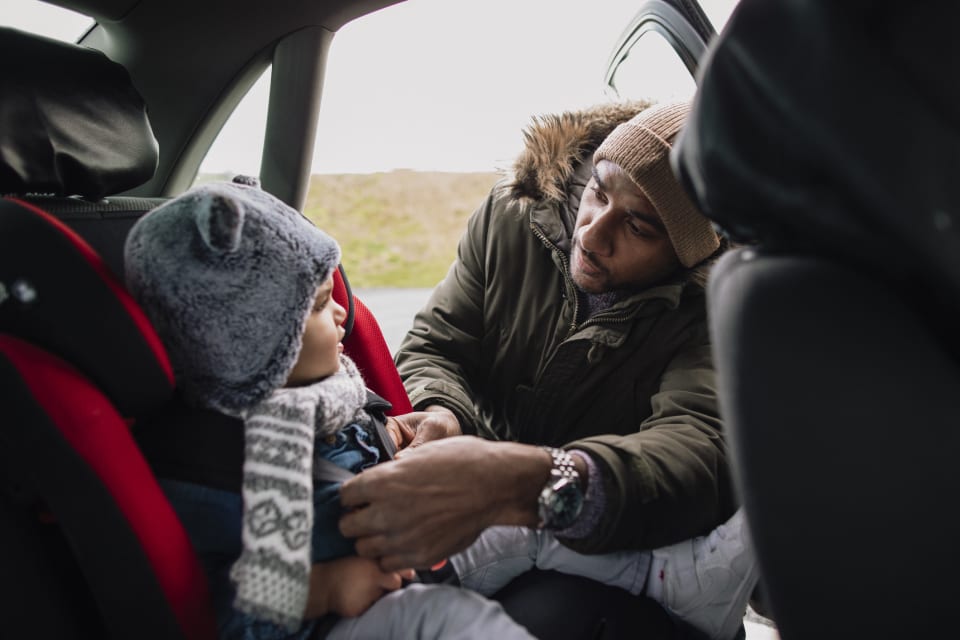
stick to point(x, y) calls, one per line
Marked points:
point(839, 403)
point(838, 361)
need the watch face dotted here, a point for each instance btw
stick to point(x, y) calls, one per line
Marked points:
point(560, 504)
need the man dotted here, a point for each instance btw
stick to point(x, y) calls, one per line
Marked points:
point(573, 318)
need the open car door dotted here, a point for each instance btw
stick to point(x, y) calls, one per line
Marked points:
point(659, 52)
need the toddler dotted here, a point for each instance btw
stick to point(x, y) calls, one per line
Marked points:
point(238, 286)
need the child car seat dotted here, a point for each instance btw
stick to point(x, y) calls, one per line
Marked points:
point(90, 542)
point(835, 334)
point(91, 546)
point(58, 154)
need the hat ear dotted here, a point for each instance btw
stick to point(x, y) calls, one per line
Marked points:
point(250, 181)
point(220, 221)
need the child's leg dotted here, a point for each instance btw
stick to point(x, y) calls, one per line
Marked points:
point(706, 582)
point(421, 611)
point(501, 554)
point(498, 556)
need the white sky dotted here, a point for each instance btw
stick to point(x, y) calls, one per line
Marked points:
point(429, 84)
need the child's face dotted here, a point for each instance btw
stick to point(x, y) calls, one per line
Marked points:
point(320, 354)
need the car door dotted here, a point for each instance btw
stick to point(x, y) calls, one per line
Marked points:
point(658, 54)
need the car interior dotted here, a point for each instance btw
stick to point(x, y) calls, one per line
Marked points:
point(833, 325)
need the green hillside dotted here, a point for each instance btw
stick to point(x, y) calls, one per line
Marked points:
point(397, 229)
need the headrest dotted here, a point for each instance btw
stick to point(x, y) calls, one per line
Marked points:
point(71, 122)
point(849, 149)
point(57, 293)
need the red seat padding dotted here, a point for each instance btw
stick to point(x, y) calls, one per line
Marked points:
point(65, 443)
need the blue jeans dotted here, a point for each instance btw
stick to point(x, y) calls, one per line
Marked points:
point(213, 520)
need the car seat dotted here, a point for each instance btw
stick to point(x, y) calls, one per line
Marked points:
point(92, 547)
point(834, 330)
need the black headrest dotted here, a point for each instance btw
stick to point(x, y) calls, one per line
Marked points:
point(833, 128)
point(57, 293)
point(71, 122)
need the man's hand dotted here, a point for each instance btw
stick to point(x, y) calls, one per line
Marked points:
point(348, 586)
point(414, 429)
point(435, 501)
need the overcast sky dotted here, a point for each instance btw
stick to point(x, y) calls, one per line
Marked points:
point(428, 84)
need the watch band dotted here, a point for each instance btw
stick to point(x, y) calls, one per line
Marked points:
point(563, 465)
point(561, 498)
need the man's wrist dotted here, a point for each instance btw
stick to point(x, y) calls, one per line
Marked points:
point(594, 499)
point(561, 498)
point(525, 469)
point(440, 406)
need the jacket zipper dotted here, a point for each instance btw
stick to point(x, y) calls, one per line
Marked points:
point(571, 289)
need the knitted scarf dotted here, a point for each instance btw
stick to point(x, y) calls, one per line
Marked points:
point(272, 573)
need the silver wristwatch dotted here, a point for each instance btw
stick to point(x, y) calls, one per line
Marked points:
point(561, 499)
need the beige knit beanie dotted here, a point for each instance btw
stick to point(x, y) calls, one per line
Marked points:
point(641, 147)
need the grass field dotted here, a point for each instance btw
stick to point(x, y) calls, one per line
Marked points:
point(396, 229)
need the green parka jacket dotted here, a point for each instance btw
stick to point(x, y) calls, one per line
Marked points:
point(633, 386)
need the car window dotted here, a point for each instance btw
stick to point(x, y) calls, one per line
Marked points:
point(238, 148)
point(44, 19)
point(424, 102)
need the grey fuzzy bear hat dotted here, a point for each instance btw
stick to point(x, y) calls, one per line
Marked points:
point(228, 274)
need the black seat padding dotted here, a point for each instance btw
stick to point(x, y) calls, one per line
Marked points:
point(842, 412)
point(71, 121)
point(104, 224)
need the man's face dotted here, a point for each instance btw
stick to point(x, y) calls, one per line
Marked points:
point(320, 354)
point(619, 241)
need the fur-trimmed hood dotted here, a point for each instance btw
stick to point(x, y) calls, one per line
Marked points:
point(555, 145)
